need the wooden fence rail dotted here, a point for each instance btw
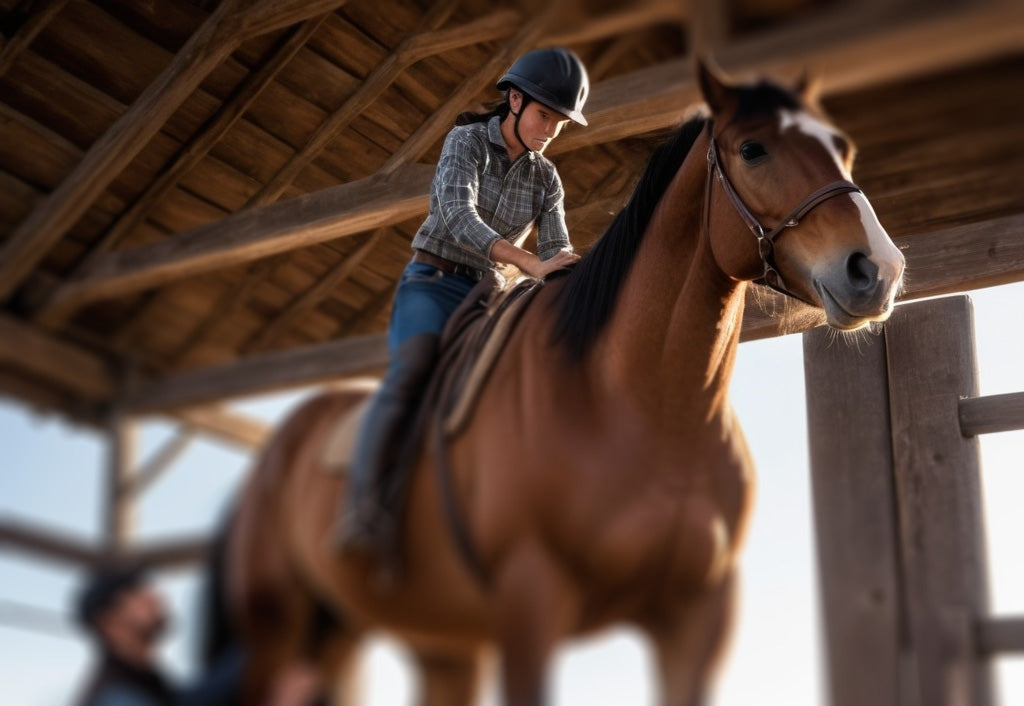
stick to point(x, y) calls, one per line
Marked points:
point(994, 413)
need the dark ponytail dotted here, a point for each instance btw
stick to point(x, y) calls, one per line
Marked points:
point(469, 117)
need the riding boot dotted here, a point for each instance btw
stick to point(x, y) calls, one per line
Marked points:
point(366, 514)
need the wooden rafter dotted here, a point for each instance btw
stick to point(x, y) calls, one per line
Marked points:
point(232, 23)
point(655, 98)
point(265, 373)
point(29, 31)
point(89, 376)
point(158, 464)
point(225, 425)
point(45, 543)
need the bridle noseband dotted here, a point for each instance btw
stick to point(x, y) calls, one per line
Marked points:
point(766, 238)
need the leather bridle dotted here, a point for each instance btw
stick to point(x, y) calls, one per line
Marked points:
point(765, 237)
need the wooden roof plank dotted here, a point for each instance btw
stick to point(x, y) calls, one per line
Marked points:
point(328, 283)
point(193, 152)
point(375, 84)
point(231, 23)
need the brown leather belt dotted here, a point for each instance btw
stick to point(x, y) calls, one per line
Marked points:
point(446, 265)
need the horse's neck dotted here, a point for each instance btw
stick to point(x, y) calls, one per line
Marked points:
point(672, 343)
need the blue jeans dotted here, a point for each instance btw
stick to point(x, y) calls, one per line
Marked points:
point(425, 298)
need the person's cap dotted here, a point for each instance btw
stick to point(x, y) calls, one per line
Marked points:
point(102, 589)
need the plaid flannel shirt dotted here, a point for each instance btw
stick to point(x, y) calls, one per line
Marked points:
point(478, 196)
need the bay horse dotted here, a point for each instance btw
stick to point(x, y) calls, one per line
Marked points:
point(604, 478)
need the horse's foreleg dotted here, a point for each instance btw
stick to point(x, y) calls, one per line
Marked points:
point(689, 639)
point(448, 679)
point(536, 607)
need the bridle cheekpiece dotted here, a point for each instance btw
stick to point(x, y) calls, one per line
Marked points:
point(765, 237)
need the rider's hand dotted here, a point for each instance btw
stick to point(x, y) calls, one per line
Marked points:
point(562, 258)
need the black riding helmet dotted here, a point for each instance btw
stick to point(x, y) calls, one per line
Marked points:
point(555, 77)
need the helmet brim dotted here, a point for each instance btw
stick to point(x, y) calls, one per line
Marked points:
point(541, 95)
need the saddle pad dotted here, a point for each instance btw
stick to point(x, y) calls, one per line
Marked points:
point(495, 327)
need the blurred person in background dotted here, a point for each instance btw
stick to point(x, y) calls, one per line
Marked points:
point(126, 617)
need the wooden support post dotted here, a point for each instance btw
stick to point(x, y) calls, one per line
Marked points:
point(120, 502)
point(930, 349)
point(855, 517)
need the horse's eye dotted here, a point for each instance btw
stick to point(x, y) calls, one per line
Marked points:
point(752, 152)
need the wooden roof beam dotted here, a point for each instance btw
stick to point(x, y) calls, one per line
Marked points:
point(68, 366)
point(253, 234)
point(271, 372)
point(990, 253)
point(232, 23)
point(90, 377)
point(49, 545)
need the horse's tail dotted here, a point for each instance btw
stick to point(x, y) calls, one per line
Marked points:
point(219, 632)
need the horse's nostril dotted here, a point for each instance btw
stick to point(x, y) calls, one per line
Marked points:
point(861, 271)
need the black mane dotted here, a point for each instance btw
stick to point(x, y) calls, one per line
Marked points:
point(592, 288)
point(590, 292)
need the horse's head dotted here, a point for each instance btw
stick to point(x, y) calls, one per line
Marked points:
point(778, 164)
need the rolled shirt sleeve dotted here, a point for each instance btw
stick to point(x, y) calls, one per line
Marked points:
point(552, 233)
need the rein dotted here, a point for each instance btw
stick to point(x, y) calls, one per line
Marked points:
point(765, 237)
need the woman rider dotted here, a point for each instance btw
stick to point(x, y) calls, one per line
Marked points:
point(492, 184)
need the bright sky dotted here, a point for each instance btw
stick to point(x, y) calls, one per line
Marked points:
point(51, 474)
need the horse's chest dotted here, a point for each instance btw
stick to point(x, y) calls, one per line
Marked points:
point(680, 532)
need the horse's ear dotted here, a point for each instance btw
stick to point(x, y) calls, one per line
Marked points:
point(717, 94)
point(808, 87)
